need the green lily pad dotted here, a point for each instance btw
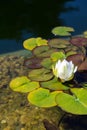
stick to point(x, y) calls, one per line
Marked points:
point(85, 84)
point(62, 31)
point(40, 74)
point(58, 43)
point(85, 34)
point(76, 103)
point(47, 63)
point(43, 51)
point(41, 41)
point(54, 84)
point(30, 44)
point(23, 84)
point(57, 56)
point(42, 97)
point(70, 53)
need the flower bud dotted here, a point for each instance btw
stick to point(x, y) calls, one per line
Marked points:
point(64, 70)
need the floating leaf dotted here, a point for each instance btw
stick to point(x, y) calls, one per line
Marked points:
point(42, 98)
point(40, 74)
point(70, 53)
point(47, 63)
point(54, 84)
point(41, 41)
point(62, 31)
point(40, 50)
point(74, 50)
point(77, 59)
point(33, 63)
point(85, 34)
point(23, 84)
point(43, 51)
point(57, 56)
point(76, 103)
point(85, 84)
point(79, 41)
point(30, 44)
point(58, 43)
point(83, 65)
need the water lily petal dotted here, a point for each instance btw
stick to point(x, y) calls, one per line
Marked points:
point(64, 70)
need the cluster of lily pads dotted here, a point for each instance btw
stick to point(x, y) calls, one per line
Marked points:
point(44, 86)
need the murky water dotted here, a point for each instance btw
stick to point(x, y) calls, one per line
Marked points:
point(19, 20)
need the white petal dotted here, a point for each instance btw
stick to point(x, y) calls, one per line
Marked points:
point(75, 69)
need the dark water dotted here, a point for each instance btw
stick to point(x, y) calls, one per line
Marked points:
point(22, 19)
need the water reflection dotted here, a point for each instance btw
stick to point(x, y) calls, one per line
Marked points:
point(20, 19)
point(35, 16)
point(76, 18)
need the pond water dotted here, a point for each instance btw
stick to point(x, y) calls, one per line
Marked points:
point(22, 19)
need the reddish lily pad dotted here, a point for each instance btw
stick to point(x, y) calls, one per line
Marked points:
point(77, 59)
point(40, 74)
point(83, 65)
point(79, 41)
point(33, 63)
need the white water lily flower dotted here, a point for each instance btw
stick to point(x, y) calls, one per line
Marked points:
point(64, 70)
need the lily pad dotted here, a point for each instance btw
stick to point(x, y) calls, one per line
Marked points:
point(23, 84)
point(71, 48)
point(54, 84)
point(41, 41)
point(57, 56)
point(40, 74)
point(85, 84)
point(58, 43)
point(76, 103)
point(85, 34)
point(70, 53)
point(30, 44)
point(62, 31)
point(79, 41)
point(83, 65)
point(42, 98)
point(75, 50)
point(33, 63)
point(47, 63)
point(77, 59)
point(43, 51)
